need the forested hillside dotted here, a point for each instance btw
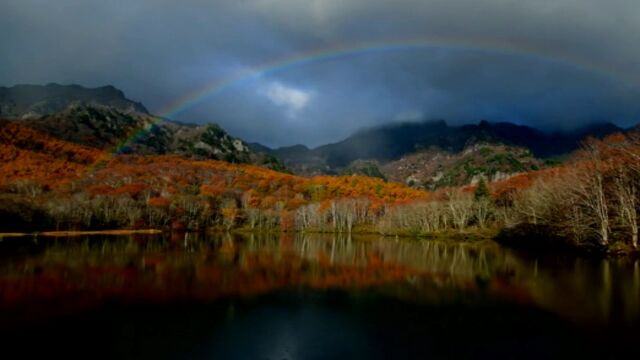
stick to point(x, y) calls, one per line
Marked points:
point(97, 166)
point(79, 187)
point(591, 201)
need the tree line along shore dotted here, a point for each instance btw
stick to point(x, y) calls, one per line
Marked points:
point(589, 202)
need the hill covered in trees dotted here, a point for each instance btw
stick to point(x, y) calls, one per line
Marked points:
point(591, 201)
point(69, 186)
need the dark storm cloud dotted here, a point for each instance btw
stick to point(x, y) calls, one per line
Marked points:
point(579, 59)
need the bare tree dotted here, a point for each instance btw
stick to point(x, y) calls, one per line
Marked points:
point(483, 210)
point(588, 178)
point(460, 206)
point(627, 200)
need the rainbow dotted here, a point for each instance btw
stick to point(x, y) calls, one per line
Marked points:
point(300, 59)
point(218, 86)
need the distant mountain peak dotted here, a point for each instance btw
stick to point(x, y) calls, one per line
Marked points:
point(297, 147)
point(29, 101)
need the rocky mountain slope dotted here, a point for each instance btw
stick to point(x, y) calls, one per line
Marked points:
point(432, 169)
point(105, 119)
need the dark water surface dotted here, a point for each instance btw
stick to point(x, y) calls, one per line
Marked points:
point(310, 297)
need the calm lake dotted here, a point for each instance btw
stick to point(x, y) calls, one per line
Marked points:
point(310, 297)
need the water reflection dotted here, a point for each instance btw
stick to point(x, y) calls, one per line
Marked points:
point(39, 277)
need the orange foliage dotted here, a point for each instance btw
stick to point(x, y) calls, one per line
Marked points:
point(131, 189)
point(25, 138)
point(26, 154)
point(267, 188)
point(159, 202)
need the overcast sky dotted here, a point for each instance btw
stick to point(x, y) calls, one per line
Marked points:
point(549, 63)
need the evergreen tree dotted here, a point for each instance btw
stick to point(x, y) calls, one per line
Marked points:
point(482, 191)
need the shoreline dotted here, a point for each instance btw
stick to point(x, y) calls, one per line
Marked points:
point(469, 235)
point(81, 233)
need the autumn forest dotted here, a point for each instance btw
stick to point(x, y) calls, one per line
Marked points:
point(589, 202)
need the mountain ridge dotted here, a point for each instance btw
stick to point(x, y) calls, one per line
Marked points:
point(418, 153)
point(413, 136)
point(104, 118)
point(594, 129)
point(26, 100)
